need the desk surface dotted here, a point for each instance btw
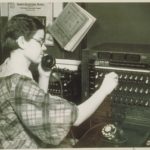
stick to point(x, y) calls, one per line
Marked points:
point(94, 138)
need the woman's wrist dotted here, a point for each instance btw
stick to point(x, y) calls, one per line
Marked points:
point(44, 75)
point(102, 90)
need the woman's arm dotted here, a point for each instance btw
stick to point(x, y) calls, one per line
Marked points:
point(43, 78)
point(87, 108)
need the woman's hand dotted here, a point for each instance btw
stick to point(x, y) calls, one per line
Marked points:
point(109, 83)
point(43, 72)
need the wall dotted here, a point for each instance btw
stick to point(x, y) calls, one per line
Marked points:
point(119, 22)
point(116, 22)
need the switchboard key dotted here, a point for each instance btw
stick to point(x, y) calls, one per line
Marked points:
point(147, 91)
point(147, 103)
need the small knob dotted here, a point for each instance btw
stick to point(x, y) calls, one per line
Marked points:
point(136, 78)
point(146, 91)
point(120, 88)
point(136, 101)
point(136, 90)
point(65, 84)
point(120, 77)
point(147, 103)
point(141, 90)
point(101, 74)
point(131, 89)
point(96, 86)
point(126, 88)
point(141, 78)
point(96, 76)
point(147, 80)
point(126, 76)
point(131, 101)
point(131, 77)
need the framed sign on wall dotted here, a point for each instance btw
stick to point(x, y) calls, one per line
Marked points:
point(44, 11)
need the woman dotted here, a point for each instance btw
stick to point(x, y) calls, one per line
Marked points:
point(27, 111)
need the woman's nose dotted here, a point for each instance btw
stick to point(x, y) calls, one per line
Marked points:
point(44, 47)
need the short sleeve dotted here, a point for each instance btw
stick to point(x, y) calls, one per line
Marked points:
point(45, 116)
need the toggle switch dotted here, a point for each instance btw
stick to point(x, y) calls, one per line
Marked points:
point(120, 77)
point(131, 77)
point(147, 80)
point(136, 90)
point(126, 76)
point(141, 78)
point(147, 103)
point(146, 91)
point(126, 88)
point(141, 90)
point(96, 76)
point(136, 78)
point(101, 74)
point(131, 89)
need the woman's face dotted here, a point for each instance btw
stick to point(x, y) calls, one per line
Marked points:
point(35, 48)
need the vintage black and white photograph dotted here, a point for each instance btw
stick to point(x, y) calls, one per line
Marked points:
point(74, 75)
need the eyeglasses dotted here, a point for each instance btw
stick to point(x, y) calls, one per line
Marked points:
point(40, 42)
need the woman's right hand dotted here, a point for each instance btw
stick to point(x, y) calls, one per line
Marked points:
point(109, 83)
point(42, 72)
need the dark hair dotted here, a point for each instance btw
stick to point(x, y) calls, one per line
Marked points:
point(19, 25)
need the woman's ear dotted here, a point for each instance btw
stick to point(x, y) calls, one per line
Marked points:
point(21, 42)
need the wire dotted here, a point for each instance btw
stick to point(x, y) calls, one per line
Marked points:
point(56, 76)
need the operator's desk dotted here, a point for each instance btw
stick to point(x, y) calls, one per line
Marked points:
point(94, 138)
